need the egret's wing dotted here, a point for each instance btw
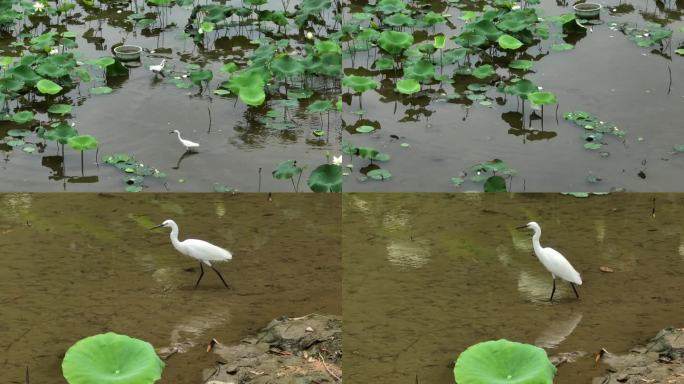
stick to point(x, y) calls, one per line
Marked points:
point(560, 266)
point(200, 249)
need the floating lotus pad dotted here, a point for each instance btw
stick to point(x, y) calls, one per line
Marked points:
point(82, 142)
point(509, 42)
point(408, 86)
point(48, 87)
point(542, 98)
point(504, 362)
point(286, 170)
point(394, 42)
point(360, 84)
point(110, 358)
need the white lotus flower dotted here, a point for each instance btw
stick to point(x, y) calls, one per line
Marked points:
point(337, 160)
point(309, 35)
point(38, 7)
point(54, 51)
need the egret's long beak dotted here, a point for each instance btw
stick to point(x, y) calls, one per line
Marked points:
point(157, 226)
point(521, 227)
point(171, 132)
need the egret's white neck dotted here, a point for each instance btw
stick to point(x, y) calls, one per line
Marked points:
point(174, 236)
point(179, 137)
point(535, 241)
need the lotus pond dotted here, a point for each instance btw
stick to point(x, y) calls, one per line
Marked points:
point(254, 82)
point(445, 95)
point(72, 272)
point(422, 284)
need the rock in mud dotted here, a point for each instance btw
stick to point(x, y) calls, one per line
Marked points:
point(661, 360)
point(303, 350)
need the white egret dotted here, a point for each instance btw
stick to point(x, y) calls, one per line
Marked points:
point(158, 69)
point(190, 146)
point(199, 250)
point(554, 262)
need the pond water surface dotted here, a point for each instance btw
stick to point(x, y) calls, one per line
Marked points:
point(639, 90)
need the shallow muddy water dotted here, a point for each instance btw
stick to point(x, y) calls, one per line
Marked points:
point(81, 264)
point(639, 90)
point(138, 115)
point(427, 275)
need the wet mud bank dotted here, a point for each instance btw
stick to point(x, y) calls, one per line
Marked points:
point(300, 350)
point(660, 360)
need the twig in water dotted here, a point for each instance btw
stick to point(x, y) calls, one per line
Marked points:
point(669, 87)
point(27, 375)
point(327, 369)
point(259, 189)
point(653, 209)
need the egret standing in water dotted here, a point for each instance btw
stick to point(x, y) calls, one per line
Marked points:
point(199, 250)
point(190, 146)
point(158, 69)
point(556, 263)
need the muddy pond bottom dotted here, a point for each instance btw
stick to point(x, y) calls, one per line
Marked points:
point(76, 265)
point(427, 275)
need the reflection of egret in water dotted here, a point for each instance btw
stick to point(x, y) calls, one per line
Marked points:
point(558, 331)
point(408, 253)
point(183, 156)
point(534, 287)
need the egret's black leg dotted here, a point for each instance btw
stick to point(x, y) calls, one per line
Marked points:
point(554, 289)
point(220, 277)
point(573, 288)
point(201, 274)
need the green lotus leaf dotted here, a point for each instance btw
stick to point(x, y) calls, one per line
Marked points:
point(286, 170)
point(379, 174)
point(504, 362)
point(399, 20)
point(394, 42)
point(390, 6)
point(8, 85)
point(509, 42)
point(495, 184)
point(23, 117)
point(679, 51)
point(470, 39)
point(102, 62)
point(365, 129)
point(100, 90)
point(432, 18)
point(383, 63)
point(48, 87)
point(229, 68)
point(326, 178)
point(483, 71)
point(439, 41)
point(524, 65)
point(254, 96)
point(485, 28)
point(60, 109)
point(319, 106)
point(19, 132)
point(408, 86)
point(593, 146)
point(327, 46)
point(284, 66)
point(422, 70)
point(82, 142)
point(25, 74)
point(366, 152)
point(110, 358)
point(314, 6)
point(52, 70)
point(451, 56)
point(360, 84)
point(61, 133)
point(521, 88)
point(542, 98)
point(201, 75)
point(516, 21)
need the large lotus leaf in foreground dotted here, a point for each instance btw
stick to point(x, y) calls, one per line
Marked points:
point(326, 178)
point(504, 362)
point(110, 358)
